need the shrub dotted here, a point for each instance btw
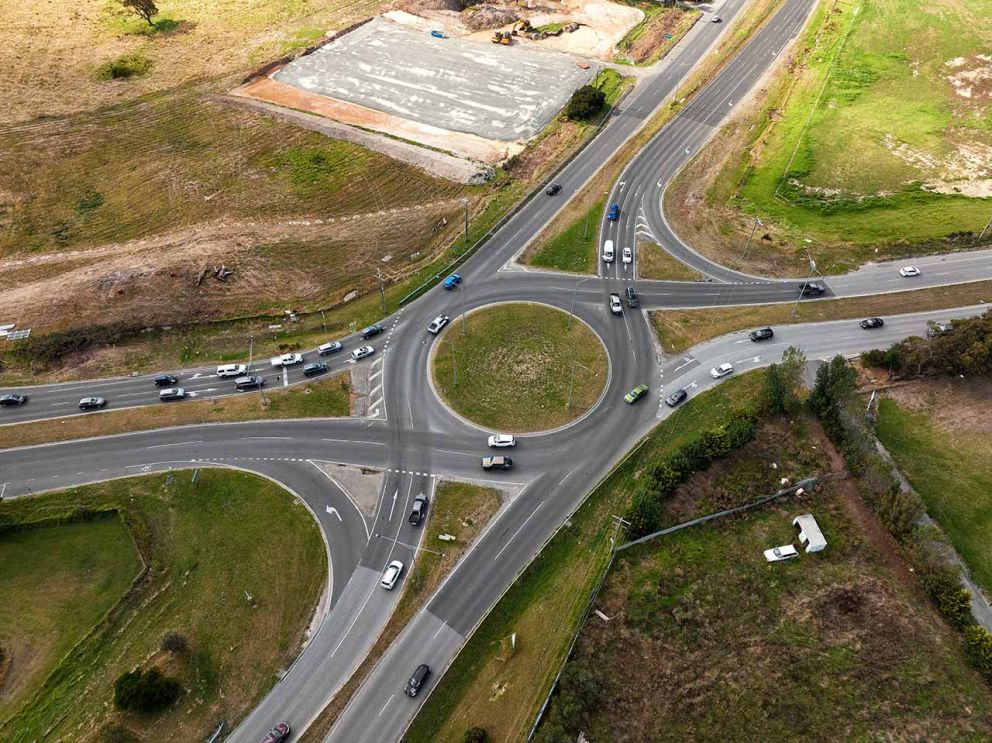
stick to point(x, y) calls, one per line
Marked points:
point(978, 648)
point(476, 735)
point(114, 733)
point(585, 103)
point(124, 67)
point(943, 582)
point(146, 692)
point(174, 642)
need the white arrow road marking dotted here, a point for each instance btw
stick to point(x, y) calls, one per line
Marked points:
point(622, 184)
point(687, 362)
point(392, 507)
point(693, 385)
point(334, 512)
point(756, 359)
point(3, 490)
point(198, 375)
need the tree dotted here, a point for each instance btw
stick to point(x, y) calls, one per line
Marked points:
point(174, 642)
point(585, 103)
point(146, 9)
point(783, 382)
point(148, 691)
point(476, 735)
point(978, 647)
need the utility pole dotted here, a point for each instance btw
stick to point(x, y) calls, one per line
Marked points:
point(454, 366)
point(571, 305)
point(750, 237)
point(465, 204)
point(571, 380)
point(812, 270)
point(323, 322)
point(382, 292)
point(261, 387)
point(987, 226)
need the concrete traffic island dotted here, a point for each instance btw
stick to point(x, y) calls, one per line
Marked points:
point(519, 367)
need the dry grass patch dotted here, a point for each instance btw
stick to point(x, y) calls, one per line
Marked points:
point(654, 263)
point(329, 397)
point(679, 330)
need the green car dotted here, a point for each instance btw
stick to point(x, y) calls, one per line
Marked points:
point(635, 394)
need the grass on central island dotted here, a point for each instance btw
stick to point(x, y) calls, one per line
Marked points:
point(509, 367)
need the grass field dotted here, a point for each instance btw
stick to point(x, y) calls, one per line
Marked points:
point(329, 397)
point(458, 508)
point(654, 263)
point(879, 135)
point(510, 367)
point(652, 38)
point(500, 690)
point(710, 642)
point(679, 330)
point(207, 543)
point(942, 445)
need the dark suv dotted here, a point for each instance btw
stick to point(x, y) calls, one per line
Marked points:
point(417, 680)
point(419, 510)
point(811, 289)
point(371, 330)
point(164, 380)
point(11, 399)
point(631, 297)
point(761, 334)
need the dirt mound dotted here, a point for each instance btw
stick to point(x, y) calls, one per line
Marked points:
point(489, 15)
point(420, 7)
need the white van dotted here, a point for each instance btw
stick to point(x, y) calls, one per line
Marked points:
point(232, 370)
point(608, 251)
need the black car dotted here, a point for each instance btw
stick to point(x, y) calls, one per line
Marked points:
point(417, 680)
point(872, 323)
point(811, 288)
point(12, 399)
point(312, 370)
point(631, 297)
point(676, 398)
point(371, 330)
point(553, 189)
point(92, 403)
point(251, 382)
point(419, 510)
point(165, 380)
point(761, 334)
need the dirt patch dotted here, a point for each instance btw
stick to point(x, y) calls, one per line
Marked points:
point(953, 404)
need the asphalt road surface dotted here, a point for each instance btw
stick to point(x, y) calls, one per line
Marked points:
point(418, 440)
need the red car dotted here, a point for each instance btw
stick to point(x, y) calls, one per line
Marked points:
point(278, 734)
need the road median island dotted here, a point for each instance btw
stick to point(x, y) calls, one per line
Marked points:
point(459, 509)
point(519, 367)
point(680, 330)
point(160, 571)
point(500, 687)
point(653, 262)
point(325, 398)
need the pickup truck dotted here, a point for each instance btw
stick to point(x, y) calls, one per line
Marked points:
point(287, 359)
point(497, 463)
point(419, 509)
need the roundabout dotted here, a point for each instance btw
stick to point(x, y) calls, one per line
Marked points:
point(519, 367)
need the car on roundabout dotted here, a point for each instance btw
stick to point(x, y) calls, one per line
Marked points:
point(502, 441)
point(452, 281)
point(812, 288)
point(326, 349)
point(391, 574)
point(614, 213)
point(722, 370)
point(315, 369)
point(497, 463)
point(870, 323)
point(761, 334)
point(437, 324)
point(362, 352)
point(676, 398)
point(635, 394)
point(287, 359)
point(616, 306)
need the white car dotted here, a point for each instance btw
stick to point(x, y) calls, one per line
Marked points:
point(616, 307)
point(721, 371)
point(627, 256)
point(287, 359)
point(232, 370)
point(391, 574)
point(502, 441)
point(777, 554)
point(437, 324)
point(362, 352)
point(907, 271)
point(608, 251)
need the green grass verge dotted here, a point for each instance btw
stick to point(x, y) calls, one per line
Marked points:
point(574, 248)
point(519, 367)
point(207, 542)
point(843, 157)
point(952, 472)
point(499, 689)
point(826, 646)
point(654, 263)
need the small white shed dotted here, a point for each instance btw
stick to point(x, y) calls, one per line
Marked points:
point(809, 533)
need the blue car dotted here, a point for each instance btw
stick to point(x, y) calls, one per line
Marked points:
point(614, 213)
point(452, 281)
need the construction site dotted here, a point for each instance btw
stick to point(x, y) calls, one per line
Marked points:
point(471, 82)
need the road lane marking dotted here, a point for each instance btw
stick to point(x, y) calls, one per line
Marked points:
point(177, 443)
point(386, 705)
point(513, 536)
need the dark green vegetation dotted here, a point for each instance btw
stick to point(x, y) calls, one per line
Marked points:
point(574, 249)
point(146, 692)
point(585, 103)
point(499, 688)
point(519, 367)
point(711, 642)
point(130, 65)
point(71, 625)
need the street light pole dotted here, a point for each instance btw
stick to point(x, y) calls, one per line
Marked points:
point(571, 380)
point(571, 305)
point(750, 237)
point(409, 546)
point(465, 204)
